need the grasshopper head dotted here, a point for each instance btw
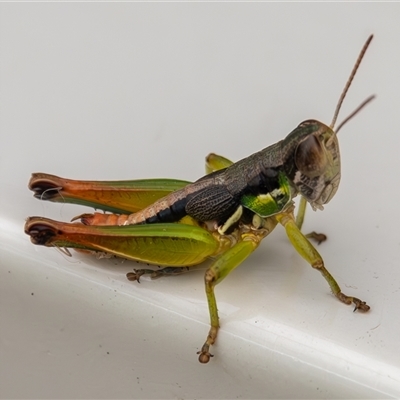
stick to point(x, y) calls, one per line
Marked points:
point(316, 169)
point(311, 152)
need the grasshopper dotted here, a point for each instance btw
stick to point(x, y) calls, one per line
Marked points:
point(223, 216)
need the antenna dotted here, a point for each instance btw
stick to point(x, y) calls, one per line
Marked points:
point(348, 83)
point(359, 108)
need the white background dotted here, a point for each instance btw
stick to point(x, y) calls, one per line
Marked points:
point(140, 90)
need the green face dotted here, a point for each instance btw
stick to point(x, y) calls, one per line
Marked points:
point(317, 161)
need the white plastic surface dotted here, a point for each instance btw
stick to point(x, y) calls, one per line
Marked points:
point(135, 90)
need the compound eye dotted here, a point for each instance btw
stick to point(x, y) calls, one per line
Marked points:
point(310, 157)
